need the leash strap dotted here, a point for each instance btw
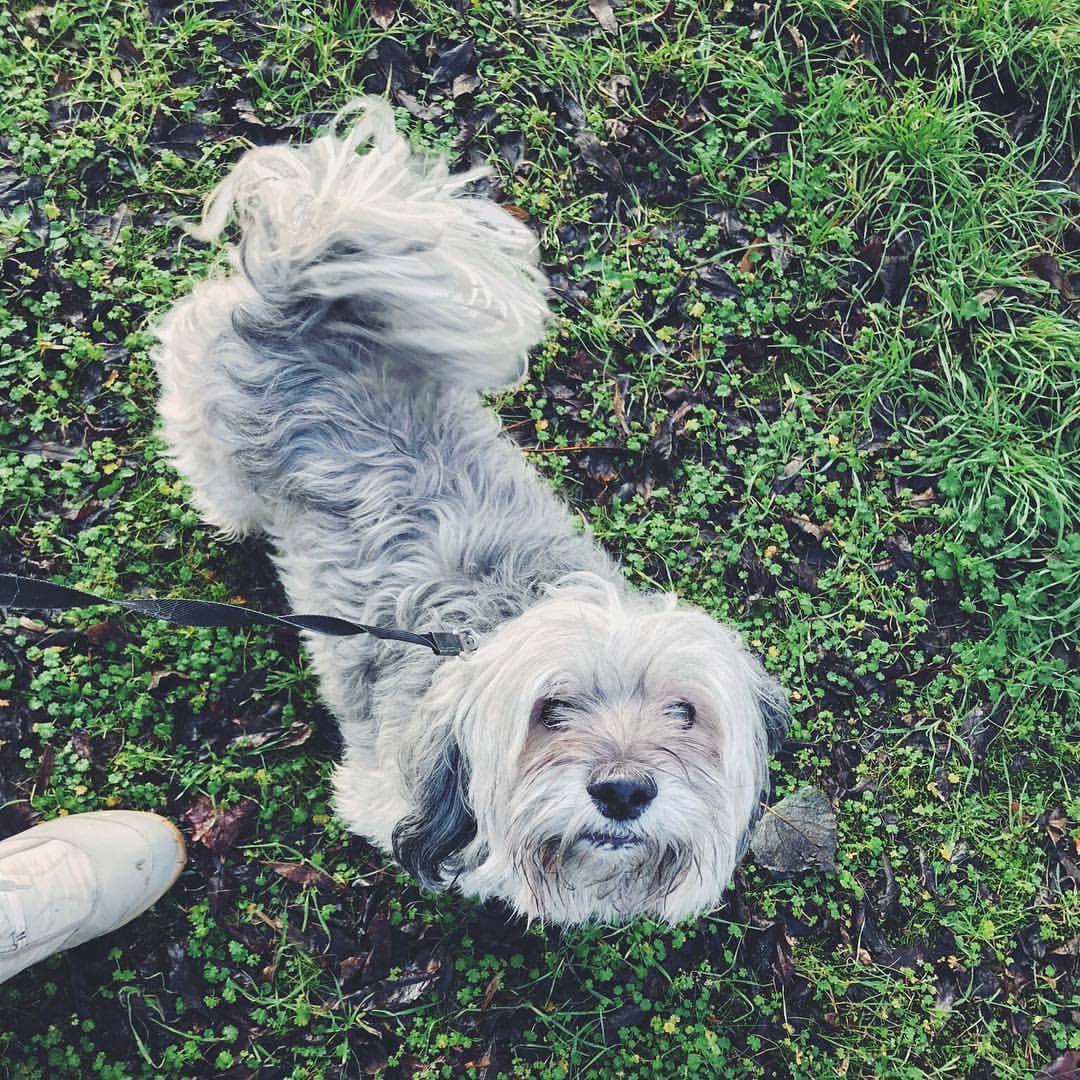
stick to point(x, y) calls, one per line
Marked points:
point(30, 594)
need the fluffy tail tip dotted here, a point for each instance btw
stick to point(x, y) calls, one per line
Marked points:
point(357, 234)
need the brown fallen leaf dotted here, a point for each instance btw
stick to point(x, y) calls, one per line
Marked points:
point(615, 87)
point(604, 15)
point(895, 269)
point(351, 967)
point(170, 678)
point(217, 827)
point(787, 475)
point(415, 108)
point(616, 128)
point(1047, 267)
point(748, 262)
point(599, 464)
point(780, 246)
point(246, 111)
point(78, 513)
point(82, 746)
point(1068, 948)
point(399, 993)
point(491, 990)
point(618, 402)
point(45, 770)
point(798, 833)
point(465, 84)
point(868, 260)
point(302, 874)
point(415, 981)
point(50, 451)
point(278, 925)
point(106, 631)
point(808, 527)
point(1056, 823)
point(384, 12)
point(296, 734)
point(453, 60)
point(594, 153)
point(987, 296)
point(1064, 1067)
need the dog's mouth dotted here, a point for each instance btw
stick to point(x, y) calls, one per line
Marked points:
point(610, 841)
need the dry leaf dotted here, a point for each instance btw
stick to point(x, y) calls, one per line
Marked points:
point(1047, 267)
point(101, 633)
point(45, 769)
point(491, 990)
point(746, 263)
point(792, 469)
point(1057, 823)
point(594, 153)
point(808, 527)
point(172, 677)
point(604, 15)
point(1068, 948)
point(465, 84)
point(1064, 1067)
point(798, 833)
point(780, 246)
point(217, 827)
point(599, 463)
point(301, 874)
point(618, 403)
point(383, 12)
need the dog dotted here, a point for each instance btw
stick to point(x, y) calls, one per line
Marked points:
point(602, 754)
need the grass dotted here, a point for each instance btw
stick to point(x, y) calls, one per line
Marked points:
point(815, 367)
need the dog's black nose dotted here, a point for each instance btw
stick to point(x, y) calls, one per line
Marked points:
point(623, 799)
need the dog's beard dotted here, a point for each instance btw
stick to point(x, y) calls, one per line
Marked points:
point(611, 875)
point(575, 863)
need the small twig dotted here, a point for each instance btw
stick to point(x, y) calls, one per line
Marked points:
point(563, 449)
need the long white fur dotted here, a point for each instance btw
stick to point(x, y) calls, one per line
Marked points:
point(324, 392)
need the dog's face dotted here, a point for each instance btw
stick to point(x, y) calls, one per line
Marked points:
point(600, 757)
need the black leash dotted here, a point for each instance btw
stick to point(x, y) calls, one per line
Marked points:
point(29, 594)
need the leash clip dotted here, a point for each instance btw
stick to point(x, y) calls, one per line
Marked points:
point(459, 644)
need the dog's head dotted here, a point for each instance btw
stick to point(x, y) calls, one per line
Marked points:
point(602, 756)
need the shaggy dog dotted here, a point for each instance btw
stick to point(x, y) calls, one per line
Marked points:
point(602, 753)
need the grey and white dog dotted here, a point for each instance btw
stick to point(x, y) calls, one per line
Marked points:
point(602, 754)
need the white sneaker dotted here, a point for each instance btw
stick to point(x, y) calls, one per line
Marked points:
point(78, 877)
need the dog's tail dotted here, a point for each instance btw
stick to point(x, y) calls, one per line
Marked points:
point(384, 248)
point(353, 251)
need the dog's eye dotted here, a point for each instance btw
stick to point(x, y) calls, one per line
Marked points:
point(551, 712)
point(684, 712)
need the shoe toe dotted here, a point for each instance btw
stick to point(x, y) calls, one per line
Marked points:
point(136, 856)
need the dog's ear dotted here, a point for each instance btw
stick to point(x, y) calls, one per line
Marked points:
point(775, 717)
point(426, 841)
